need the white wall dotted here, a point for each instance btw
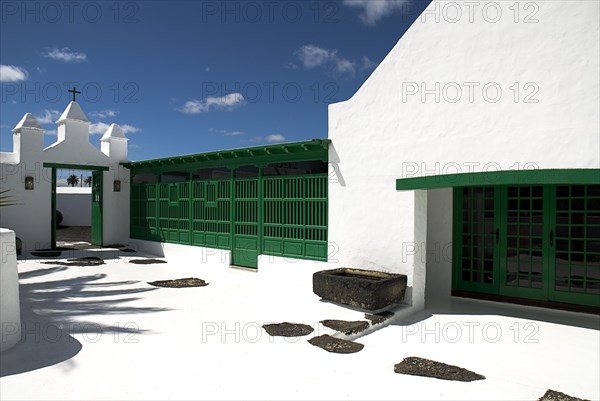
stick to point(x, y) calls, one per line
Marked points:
point(10, 312)
point(389, 130)
point(75, 204)
point(438, 254)
point(31, 217)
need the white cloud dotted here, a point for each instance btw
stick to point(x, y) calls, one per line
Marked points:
point(228, 102)
point(12, 73)
point(345, 66)
point(100, 128)
point(104, 113)
point(371, 11)
point(65, 54)
point(312, 56)
point(275, 138)
point(367, 64)
point(129, 129)
point(48, 116)
point(227, 133)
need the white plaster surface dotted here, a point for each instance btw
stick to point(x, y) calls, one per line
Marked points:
point(206, 343)
point(76, 206)
point(10, 313)
point(430, 108)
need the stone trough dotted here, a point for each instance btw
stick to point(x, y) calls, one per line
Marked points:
point(365, 289)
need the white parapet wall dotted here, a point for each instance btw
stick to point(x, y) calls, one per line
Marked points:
point(10, 311)
point(75, 204)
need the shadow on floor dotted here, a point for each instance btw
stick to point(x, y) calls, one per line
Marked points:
point(53, 312)
point(475, 307)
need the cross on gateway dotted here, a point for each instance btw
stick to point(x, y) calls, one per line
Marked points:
point(74, 92)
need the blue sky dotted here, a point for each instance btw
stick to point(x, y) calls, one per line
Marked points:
point(192, 76)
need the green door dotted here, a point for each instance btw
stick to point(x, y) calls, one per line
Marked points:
point(574, 258)
point(531, 241)
point(525, 225)
point(476, 253)
point(245, 222)
point(97, 208)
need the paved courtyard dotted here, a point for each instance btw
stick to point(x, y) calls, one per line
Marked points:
point(101, 332)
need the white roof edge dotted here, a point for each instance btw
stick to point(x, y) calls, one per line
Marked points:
point(73, 112)
point(113, 132)
point(28, 121)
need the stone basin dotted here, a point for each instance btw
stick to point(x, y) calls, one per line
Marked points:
point(365, 289)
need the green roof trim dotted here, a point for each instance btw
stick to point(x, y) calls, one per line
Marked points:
point(506, 177)
point(64, 166)
point(316, 149)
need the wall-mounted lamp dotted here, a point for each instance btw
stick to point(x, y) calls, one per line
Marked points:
point(29, 183)
point(116, 186)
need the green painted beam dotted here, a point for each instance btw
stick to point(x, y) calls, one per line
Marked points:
point(76, 166)
point(510, 177)
point(295, 151)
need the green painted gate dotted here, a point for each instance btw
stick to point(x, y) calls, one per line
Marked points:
point(97, 208)
point(279, 216)
point(529, 241)
point(211, 211)
point(264, 200)
point(246, 243)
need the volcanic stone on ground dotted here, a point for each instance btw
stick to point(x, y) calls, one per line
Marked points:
point(345, 326)
point(552, 395)
point(379, 317)
point(146, 261)
point(336, 345)
point(87, 261)
point(428, 368)
point(286, 329)
point(180, 283)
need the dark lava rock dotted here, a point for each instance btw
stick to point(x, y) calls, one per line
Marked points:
point(428, 368)
point(180, 283)
point(365, 289)
point(336, 345)
point(87, 261)
point(378, 318)
point(46, 254)
point(127, 250)
point(286, 329)
point(345, 326)
point(552, 395)
point(146, 261)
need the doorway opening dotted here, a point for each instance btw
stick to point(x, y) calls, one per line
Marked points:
point(76, 207)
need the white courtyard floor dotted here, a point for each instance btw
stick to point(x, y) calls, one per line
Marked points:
point(124, 339)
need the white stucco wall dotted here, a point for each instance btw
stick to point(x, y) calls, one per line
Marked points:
point(76, 206)
point(31, 217)
point(438, 254)
point(10, 312)
point(410, 120)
